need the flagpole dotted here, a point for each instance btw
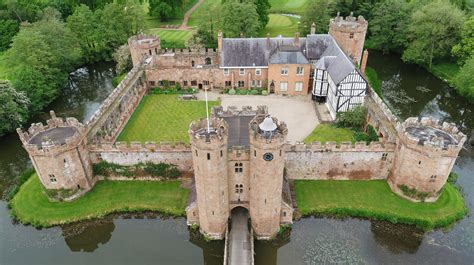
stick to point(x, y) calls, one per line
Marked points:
point(207, 111)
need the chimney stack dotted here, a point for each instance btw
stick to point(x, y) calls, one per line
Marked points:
point(268, 41)
point(363, 64)
point(313, 28)
point(297, 39)
point(219, 41)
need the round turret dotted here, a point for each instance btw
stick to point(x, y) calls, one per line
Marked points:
point(349, 34)
point(267, 140)
point(209, 150)
point(143, 46)
point(59, 155)
point(424, 158)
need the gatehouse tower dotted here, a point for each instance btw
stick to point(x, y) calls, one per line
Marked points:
point(209, 151)
point(267, 139)
point(59, 153)
point(349, 34)
point(425, 155)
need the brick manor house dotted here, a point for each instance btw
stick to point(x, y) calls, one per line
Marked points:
point(321, 64)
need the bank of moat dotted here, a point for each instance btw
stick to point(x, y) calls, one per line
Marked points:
point(240, 157)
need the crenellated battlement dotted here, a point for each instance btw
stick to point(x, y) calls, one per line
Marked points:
point(56, 135)
point(430, 135)
point(188, 51)
point(217, 133)
point(136, 146)
point(144, 41)
point(341, 147)
point(256, 133)
point(349, 23)
point(219, 111)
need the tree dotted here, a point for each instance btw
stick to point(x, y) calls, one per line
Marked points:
point(465, 48)
point(13, 107)
point(464, 81)
point(209, 24)
point(83, 23)
point(240, 18)
point(161, 8)
point(262, 8)
point(123, 59)
point(8, 29)
point(432, 32)
point(318, 12)
point(388, 26)
point(353, 118)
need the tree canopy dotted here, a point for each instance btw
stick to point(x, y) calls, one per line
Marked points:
point(13, 107)
point(318, 12)
point(464, 81)
point(240, 18)
point(465, 48)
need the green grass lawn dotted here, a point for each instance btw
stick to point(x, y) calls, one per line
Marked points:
point(446, 71)
point(281, 25)
point(163, 118)
point(374, 199)
point(31, 205)
point(177, 19)
point(288, 6)
point(328, 132)
point(203, 8)
point(172, 38)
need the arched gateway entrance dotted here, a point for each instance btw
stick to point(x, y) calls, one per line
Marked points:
point(240, 245)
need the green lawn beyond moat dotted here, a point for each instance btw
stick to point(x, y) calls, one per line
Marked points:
point(374, 199)
point(31, 206)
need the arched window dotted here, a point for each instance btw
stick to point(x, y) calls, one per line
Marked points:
point(241, 188)
point(192, 63)
point(208, 61)
point(238, 167)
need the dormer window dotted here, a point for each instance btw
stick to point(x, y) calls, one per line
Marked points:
point(241, 71)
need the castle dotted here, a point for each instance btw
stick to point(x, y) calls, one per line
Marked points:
point(240, 158)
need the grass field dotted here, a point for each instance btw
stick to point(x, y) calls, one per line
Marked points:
point(203, 8)
point(177, 19)
point(172, 38)
point(281, 25)
point(374, 199)
point(31, 206)
point(288, 6)
point(163, 118)
point(328, 132)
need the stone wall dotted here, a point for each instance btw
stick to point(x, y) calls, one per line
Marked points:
point(131, 154)
point(106, 123)
point(349, 34)
point(381, 117)
point(342, 162)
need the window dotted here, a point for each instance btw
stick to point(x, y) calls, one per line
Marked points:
point(284, 71)
point(172, 83)
point(194, 83)
point(208, 156)
point(384, 157)
point(283, 86)
point(241, 84)
point(284, 214)
point(52, 178)
point(254, 153)
point(185, 82)
point(419, 162)
point(152, 83)
point(205, 82)
point(221, 153)
point(238, 167)
point(432, 178)
point(161, 83)
point(241, 71)
point(258, 71)
point(156, 50)
point(208, 61)
point(351, 35)
point(226, 71)
point(256, 83)
point(192, 63)
point(228, 83)
point(239, 188)
point(149, 51)
point(299, 86)
point(299, 70)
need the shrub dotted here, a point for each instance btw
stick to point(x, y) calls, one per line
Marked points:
point(162, 170)
point(453, 177)
point(232, 91)
point(242, 91)
point(254, 92)
point(177, 87)
point(354, 118)
point(264, 92)
point(372, 134)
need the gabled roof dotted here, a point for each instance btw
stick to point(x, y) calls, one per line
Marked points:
point(336, 62)
point(288, 57)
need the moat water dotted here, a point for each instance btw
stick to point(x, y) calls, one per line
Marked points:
point(149, 239)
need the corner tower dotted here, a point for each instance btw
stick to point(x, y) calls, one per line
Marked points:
point(143, 46)
point(209, 151)
point(349, 34)
point(267, 140)
point(426, 152)
point(60, 156)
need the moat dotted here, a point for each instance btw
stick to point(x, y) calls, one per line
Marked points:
point(148, 239)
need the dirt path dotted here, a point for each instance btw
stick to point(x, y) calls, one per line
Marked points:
point(184, 25)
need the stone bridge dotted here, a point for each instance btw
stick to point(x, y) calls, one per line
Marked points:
point(239, 240)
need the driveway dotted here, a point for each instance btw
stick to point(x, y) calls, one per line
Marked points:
point(297, 112)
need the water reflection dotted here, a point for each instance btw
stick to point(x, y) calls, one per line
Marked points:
point(212, 252)
point(397, 238)
point(88, 235)
point(267, 251)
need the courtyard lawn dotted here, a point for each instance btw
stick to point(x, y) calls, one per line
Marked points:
point(374, 199)
point(330, 133)
point(288, 6)
point(31, 205)
point(172, 38)
point(281, 25)
point(163, 118)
